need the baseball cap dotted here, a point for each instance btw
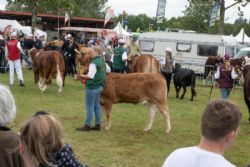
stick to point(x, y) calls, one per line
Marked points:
point(168, 49)
point(121, 41)
point(13, 34)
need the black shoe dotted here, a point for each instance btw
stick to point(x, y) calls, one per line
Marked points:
point(97, 127)
point(21, 83)
point(84, 128)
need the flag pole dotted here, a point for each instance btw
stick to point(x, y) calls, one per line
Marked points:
point(58, 22)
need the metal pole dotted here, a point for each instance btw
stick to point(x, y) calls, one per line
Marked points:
point(58, 22)
point(122, 19)
point(212, 86)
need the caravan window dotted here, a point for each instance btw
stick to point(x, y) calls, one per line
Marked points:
point(183, 47)
point(229, 50)
point(207, 50)
point(147, 46)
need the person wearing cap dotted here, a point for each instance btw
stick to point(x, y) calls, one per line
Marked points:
point(120, 57)
point(133, 49)
point(66, 43)
point(168, 67)
point(226, 75)
point(12, 51)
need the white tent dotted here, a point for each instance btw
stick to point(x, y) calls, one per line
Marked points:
point(239, 37)
point(27, 30)
point(121, 32)
point(15, 26)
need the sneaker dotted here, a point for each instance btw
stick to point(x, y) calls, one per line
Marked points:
point(21, 83)
point(84, 128)
point(97, 127)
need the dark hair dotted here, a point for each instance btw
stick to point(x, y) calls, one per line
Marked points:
point(40, 113)
point(219, 118)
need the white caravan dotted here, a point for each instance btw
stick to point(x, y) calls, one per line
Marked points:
point(189, 49)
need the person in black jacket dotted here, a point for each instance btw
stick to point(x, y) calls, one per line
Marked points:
point(3, 60)
point(38, 43)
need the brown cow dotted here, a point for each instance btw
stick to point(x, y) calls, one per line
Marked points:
point(47, 65)
point(136, 88)
point(144, 63)
point(133, 88)
point(210, 66)
point(244, 65)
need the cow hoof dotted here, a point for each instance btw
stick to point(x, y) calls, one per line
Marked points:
point(167, 131)
point(146, 129)
point(107, 128)
point(75, 77)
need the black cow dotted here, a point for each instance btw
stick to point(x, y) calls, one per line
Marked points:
point(183, 78)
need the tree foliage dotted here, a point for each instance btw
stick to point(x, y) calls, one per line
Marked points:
point(91, 8)
point(223, 8)
point(196, 16)
point(84, 8)
point(135, 22)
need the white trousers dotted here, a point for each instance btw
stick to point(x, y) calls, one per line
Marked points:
point(15, 65)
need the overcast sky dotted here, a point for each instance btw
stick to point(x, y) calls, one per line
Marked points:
point(174, 8)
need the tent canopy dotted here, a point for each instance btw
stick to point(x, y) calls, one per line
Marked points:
point(239, 37)
point(121, 31)
point(15, 26)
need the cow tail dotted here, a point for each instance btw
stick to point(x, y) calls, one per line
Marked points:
point(193, 84)
point(59, 79)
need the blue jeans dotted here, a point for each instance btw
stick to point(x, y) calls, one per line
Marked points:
point(93, 105)
point(225, 92)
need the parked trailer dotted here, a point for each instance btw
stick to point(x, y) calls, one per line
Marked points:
point(187, 48)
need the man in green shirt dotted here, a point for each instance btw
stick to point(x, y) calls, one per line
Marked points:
point(120, 57)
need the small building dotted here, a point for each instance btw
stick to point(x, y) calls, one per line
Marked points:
point(50, 23)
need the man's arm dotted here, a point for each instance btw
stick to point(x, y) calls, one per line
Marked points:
point(20, 48)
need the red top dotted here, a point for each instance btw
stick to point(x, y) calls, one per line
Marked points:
point(13, 52)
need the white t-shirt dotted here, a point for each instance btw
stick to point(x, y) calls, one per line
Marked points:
point(195, 157)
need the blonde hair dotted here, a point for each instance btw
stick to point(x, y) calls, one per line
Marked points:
point(42, 136)
point(7, 106)
point(227, 65)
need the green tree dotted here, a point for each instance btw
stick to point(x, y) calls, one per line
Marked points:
point(196, 16)
point(141, 21)
point(38, 6)
point(84, 8)
point(91, 8)
point(223, 8)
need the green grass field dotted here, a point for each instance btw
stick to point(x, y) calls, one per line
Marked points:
point(126, 144)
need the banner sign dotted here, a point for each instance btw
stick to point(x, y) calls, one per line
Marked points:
point(214, 12)
point(160, 14)
point(108, 16)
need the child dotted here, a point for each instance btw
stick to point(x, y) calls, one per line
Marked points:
point(42, 138)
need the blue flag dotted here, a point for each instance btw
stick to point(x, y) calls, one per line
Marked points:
point(214, 12)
